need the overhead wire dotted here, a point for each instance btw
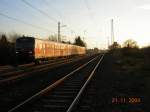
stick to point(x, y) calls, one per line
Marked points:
point(89, 11)
point(44, 13)
point(56, 10)
point(59, 14)
point(39, 10)
point(24, 22)
point(91, 15)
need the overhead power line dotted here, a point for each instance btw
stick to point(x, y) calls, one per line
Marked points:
point(55, 9)
point(43, 13)
point(24, 22)
point(58, 12)
point(89, 12)
point(39, 10)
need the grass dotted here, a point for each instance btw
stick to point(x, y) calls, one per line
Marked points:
point(132, 60)
point(132, 67)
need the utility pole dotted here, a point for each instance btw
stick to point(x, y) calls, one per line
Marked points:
point(108, 42)
point(112, 31)
point(58, 39)
point(59, 36)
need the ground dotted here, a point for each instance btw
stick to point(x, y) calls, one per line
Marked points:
point(122, 84)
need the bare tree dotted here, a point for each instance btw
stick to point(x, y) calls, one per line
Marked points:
point(4, 50)
point(130, 44)
point(115, 45)
point(13, 36)
point(52, 38)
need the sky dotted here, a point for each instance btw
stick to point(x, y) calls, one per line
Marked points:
point(88, 18)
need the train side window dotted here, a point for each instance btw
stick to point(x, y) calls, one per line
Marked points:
point(40, 46)
point(43, 46)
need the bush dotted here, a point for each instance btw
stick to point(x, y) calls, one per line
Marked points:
point(133, 52)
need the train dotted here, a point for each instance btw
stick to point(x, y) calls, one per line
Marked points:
point(35, 50)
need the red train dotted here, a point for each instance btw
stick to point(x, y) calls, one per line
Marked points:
point(33, 49)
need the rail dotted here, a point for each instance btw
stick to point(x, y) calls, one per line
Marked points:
point(58, 82)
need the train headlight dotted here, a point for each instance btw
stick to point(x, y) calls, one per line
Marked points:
point(30, 52)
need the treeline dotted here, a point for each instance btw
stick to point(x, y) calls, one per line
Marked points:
point(77, 41)
point(130, 48)
point(131, 59)
point(7, 49)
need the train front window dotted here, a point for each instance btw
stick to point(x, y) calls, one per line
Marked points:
point(24, 43)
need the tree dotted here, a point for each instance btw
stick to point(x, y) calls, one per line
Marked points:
point(7, 49)
point(13, 37)
point(4, 50)
point(95, 50)
point(79, 42)
point(115, 45)
point(52, 38)
point(130, 44)
point(3, 40)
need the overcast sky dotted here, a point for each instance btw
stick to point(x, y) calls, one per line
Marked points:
point(88, 18)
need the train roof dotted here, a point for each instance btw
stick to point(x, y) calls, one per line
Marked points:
point(46, 40)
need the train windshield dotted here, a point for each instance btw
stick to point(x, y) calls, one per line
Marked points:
point(24, 43)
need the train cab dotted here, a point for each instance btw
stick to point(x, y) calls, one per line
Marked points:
point(25, 48)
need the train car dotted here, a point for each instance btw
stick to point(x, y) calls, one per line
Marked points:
point(33, 49)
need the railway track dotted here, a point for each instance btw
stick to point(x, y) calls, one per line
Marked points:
point(30, 68)
point(64, 94)
point(10, 69)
